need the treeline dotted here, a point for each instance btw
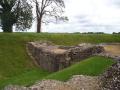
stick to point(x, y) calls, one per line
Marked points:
point(95, 33)
point(90, 33)
point(116, 33)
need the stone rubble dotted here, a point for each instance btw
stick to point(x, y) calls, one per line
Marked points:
point(81, 82)
point(111, 78)
point(51, 85)
point(15, 87)
point(77, 82)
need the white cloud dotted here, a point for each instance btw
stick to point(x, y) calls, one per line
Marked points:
point(89, 15)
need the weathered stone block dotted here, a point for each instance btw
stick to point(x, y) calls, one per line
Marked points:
point(53, 57)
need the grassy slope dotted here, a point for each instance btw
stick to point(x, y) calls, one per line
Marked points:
point(14, 61)
point(92, 66)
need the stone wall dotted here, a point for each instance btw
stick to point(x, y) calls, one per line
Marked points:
point(53, 57)
point(111, 78)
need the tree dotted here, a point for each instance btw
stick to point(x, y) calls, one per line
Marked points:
point(48, 10)
point(15, 12)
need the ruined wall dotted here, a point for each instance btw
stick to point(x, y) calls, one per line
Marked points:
point(111, 78)
point(53, 57)
point(47, 56)
point(81, 52)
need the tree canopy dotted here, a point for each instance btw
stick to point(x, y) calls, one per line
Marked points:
point(15, 12)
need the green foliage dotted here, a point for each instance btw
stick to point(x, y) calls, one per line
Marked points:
point(15, 12)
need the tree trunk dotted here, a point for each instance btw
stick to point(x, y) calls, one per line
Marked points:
point(7, 21)
point(39, 24)
point(7, 27)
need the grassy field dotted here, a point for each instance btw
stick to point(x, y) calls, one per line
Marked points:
point(17, 67)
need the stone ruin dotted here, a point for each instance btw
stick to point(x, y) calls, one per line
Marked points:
point(48, 56)
point(55, 57)
point(110, 80)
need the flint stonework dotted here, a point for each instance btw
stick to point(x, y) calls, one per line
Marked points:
point(54, 57)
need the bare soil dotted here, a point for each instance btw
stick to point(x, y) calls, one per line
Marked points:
point(113, 49)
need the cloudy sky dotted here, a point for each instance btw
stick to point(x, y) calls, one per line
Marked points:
point(88, 16)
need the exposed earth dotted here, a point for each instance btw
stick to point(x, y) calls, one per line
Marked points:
point(113, 49)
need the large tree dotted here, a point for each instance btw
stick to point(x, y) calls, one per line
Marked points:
point(15, 12)
point(48, 10)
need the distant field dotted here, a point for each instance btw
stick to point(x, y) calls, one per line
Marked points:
point(17, 67)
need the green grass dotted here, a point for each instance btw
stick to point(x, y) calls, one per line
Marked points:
point(17, 67)
point(93, 66)
point(27, 78)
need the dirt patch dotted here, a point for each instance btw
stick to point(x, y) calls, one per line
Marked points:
point(113, 49)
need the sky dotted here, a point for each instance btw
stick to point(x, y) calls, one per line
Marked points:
point(88, 16)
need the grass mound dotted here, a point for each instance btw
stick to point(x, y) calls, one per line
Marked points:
point(93, 66)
